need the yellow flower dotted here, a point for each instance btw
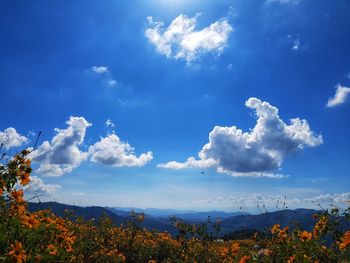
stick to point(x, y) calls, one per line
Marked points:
point(18, 254)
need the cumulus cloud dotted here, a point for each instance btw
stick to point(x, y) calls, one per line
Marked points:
point(37, 185)
point(62, 154)
point(253, 153)
point(11, 138)
point(340, 97)
point(180, 40)
point(112, 151)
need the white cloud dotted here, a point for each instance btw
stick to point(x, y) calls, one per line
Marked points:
point(11, 138)
point(112, 82)
point(340, 97)
point(190, 163)
point(330, 198)
point(296, 44)
point(253, 153)
point(180, 40)
point(109, 124)
point(283, 1)
point(37, 185)
point(112, 151)
point(62, 155)
point(108, 77)
point(100, 69)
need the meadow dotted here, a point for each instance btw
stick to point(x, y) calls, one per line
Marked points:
point(42, 236)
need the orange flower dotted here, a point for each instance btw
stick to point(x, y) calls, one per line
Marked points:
point(31, 221)
point(291, 259)
point(19, 209)
point(24, 177)
point(305, 236)
point(345, 240)
point(244, 259)
point(18, 254)
point(27, 162)
point(275, 228)
point(52, 250)
point(18, 196)
point(235, 248)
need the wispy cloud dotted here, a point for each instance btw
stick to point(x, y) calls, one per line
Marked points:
point(38, 186)
point(330, 198)
point(254, 153)
point(296, 44)
point(107, 75)
point(180, 40)
point(283, 2)
point(340, 96)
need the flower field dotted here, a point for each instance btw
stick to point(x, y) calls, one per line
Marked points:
point(44, 237)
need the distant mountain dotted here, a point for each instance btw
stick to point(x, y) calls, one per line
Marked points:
point(203, 216)
point(155, 212)
point(78, 211)
point(150, 223)
point(230, 223)
point(188, 215)
point(292, 218)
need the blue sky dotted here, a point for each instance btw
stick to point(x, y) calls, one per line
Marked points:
point(165, 74)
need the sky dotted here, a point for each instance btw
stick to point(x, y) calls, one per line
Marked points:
point(179, 104)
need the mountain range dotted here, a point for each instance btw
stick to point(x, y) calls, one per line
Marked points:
point(161, 220)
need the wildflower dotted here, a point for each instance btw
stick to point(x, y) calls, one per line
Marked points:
point(235, 248)
point(24, 177)
point(275, 228)
point(305, 236)
point(123, 258)
point(52, 250)
point(141, 218)
point(291, 259)
point(320, 226)
point(244, 259)
point(18, 196)
point(31, 221)
point(18, 254)
point(345, 240)
point(265, 252)
point(223, 251)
